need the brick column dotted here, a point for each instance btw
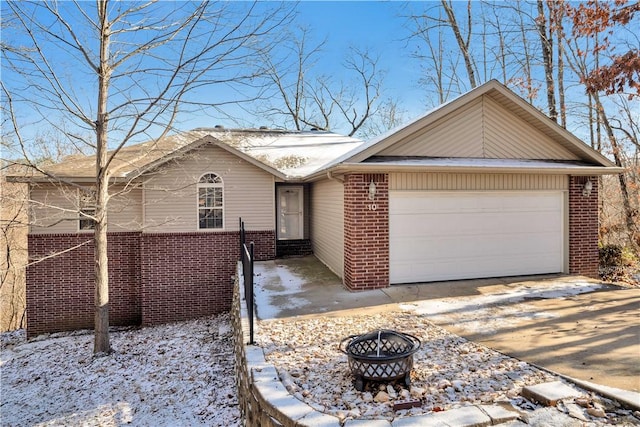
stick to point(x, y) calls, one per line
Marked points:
point(366, 232)
point(583, 227)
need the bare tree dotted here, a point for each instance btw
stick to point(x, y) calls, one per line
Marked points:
point(119, 72)
point(464, 41)
point(556, 13)
point(13, 254)
point(358, 102)
point(526, 58)
point(432, 57)
point(388, 116)
point(288, 78)
point(587, 24)
point(546, 43)
point(305, 97)
point(632, 215)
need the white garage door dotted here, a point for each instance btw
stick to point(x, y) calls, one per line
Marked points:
point(462, 235)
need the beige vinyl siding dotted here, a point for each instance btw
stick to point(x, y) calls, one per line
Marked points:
point(170, 193)
point(456, 135)
point(482, 129)
point(475, 182)
point(125, 210)
point(507, 136)
point(54, 209)
point(327, 224)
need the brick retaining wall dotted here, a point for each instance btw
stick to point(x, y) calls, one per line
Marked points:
point(264, 401)
point(153, 278)
point(60, 290)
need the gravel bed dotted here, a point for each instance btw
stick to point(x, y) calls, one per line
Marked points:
point(449, 371)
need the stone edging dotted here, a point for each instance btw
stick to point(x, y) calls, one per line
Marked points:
point(265, 402)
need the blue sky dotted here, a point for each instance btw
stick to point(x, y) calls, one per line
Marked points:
point(379, 26)
point(375, 25)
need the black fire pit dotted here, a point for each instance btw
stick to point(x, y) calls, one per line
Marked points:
point(382, 355)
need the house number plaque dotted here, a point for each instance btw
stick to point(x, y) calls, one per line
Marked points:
point(372, 207)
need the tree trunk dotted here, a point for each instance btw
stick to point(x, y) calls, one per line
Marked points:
point(558, 15)
point(101, 322)
point(531, 92)
point(547, 57)
point(462, 43)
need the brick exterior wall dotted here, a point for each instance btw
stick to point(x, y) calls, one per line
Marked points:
point(189, 275)
point(60, 290)
point(583, 227)
point(154, 278)
point(366, 232)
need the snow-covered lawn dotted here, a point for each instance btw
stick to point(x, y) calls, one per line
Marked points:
point(176, 374)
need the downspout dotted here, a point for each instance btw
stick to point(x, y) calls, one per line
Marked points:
point(333, 178)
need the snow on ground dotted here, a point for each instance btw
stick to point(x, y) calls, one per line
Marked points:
point(272, 282)
point(176, 374)
point(449, 372)
point(485, 314)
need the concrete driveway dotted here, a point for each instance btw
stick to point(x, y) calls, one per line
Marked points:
point(575, 326)
point(571, 325)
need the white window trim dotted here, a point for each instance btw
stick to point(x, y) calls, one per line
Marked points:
point(200, 185)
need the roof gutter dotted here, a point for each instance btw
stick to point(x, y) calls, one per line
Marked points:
point(383, 168)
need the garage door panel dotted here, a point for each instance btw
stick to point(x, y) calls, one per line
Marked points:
point(495, 227)
point(444, 236)
point(457, 267)
point(463, 224)
point(445, 247)
point(410, 201)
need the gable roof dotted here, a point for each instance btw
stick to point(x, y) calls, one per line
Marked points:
point(565, 153)
point(178, 151)
point(294, 153)
point(310, 155)
point(284, 154)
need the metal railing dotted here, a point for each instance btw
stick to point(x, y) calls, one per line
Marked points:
point(246, 256)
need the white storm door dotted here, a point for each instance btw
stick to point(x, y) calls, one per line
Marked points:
point(290, 213)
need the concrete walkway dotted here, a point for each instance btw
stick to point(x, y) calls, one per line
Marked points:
point(574, 326)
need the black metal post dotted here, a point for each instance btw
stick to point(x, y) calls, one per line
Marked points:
point(250, 298)
point(241, 226)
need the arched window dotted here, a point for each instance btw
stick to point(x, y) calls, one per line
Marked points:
point(210, 201)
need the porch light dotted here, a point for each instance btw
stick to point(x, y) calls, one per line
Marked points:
point(588, 187)
point(372, 190)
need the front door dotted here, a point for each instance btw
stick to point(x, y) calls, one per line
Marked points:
point(290, 213)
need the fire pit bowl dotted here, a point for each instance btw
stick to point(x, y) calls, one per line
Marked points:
point(381, 355)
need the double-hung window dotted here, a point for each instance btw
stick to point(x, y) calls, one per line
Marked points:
point(87, 210)
point(210, 202)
